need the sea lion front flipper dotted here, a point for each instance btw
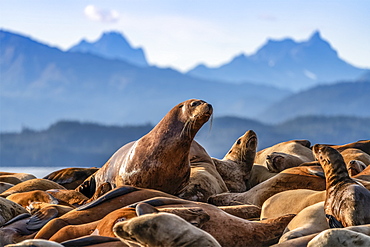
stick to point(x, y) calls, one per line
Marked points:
point(316, 173)
point(41, 217)
point(333, 222)
point(145, 208)
point(88, 240)
point(109, 195)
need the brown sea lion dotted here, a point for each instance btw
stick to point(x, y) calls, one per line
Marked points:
point(71, 197)
point(278, 161)
point(117, 198)
point(364, 174)
point(290, 202)
point(309, 221)
point(299, 148)
point(347, 202)
point(32, 184)
point(70, 178)
point(301, 177)
point(222, 225)
point(10, 179)
point(204, 180)
point(235, 167)
point(340, 237)
point(25, 198)
point(259, 174)
point(9, 210)
point(4, 186)
point(363, 145)
point(160, 159)
point(163, 229)
point(96, 241)
point(349, 154)
point(21, 176)
point(355, 167)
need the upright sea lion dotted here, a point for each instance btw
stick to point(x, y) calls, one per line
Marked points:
point(300, 148)
point(204, 180)
point(235, 167)
point(160, 159)
point(301, 177)
point(163, 229)
point(70, 178)
point(347, 202)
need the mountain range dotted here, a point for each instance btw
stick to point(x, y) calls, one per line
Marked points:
point(40, 85)
point(285, 64)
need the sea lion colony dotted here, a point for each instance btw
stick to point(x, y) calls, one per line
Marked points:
point(165, 190)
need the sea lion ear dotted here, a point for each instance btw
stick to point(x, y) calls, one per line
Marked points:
point(145, 208)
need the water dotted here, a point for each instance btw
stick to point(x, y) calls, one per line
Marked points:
point(39, 172)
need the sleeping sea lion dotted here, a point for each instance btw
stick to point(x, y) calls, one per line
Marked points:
point(204, 180)
point(278, 161)
point(235, 167)
point(347, 201)
point(21, 176)
point(160, 159)
point(355, 154)
point(32, 184)
point(70, 178)
point(340, 237)
point(9, 210)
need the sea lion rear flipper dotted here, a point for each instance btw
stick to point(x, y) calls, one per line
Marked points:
point(109, 195)
point(41, 217)
point(333, 222)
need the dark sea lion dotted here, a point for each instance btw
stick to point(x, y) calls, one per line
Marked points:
point(235, 167)
point(163, 229)
point(99, 208)
point(70, 178)
point(160, 159)
point(347, 202)
point(10, 179)
point(21, 176)
point(9, 210)
point(204, 180)
point(4, 186)
point(301, 177)
point(300, 148)
point(15, 230)
point(32, 184)
point(290, 202)
point(227, 229)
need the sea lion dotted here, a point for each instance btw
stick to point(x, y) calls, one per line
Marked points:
point(15, 230)
point(97, 241)
point(204, 180)
point(301, 177)
point(340, 237)
point(9, 210)
point(70, 178)
point(290, 202)
point(227, 229)
point(364, 174)
point(25, 198)
point(163, 229)
point(259, 174)
point(349, 154)
point(114, 199)
point(32, 184)
point(36, 243)
point(21, 176)
point(300, 148)
point(70, 197)
point(235, 167)
point(347, 202)
point(309, 221)
point(160, 159)
point(355, 167)
point(10, 179)
point(4, 186)
point(278, 161)
point(363, 145)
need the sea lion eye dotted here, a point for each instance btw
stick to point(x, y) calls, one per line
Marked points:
point(194, 103)
point(238, 141)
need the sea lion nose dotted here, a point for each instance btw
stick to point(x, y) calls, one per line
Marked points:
point(210, 107)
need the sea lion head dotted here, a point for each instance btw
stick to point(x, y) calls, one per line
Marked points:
point(193, 113)
point(275, 161)
point(327, 156)
point(354, 167)
point(244, 147)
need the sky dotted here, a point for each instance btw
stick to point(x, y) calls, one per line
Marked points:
point(183, 34)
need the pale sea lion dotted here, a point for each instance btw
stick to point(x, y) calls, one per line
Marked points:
point(70, 178)
point(204, 179)
point(235, 167)
point(227, 229)
point(9, 210)
point(163, 229)
point(4, 186)
point(160, 159)
point(290, 202)
point(300, 148)
point(97, 209)
point(301, 177)
point(349, 154)
point(36, 243)
point(340, 237)
point(347, 202)
point(355, 167)
point(309, 221)
point(32, 184)
point(259, 174)
point(278, 161)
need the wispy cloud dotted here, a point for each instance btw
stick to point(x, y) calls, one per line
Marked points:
point(267, 17)
point(97, 14)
